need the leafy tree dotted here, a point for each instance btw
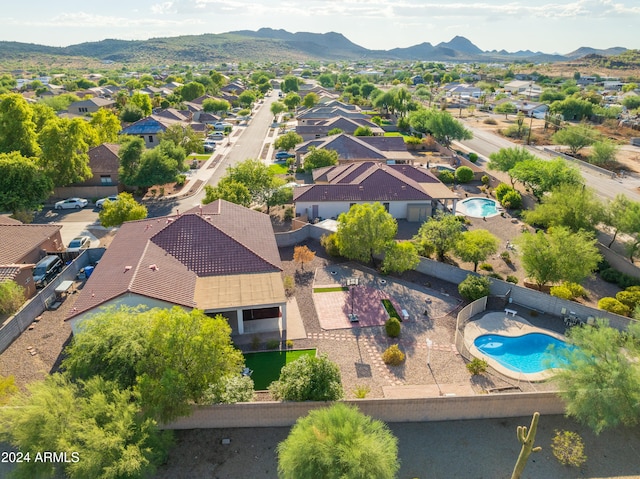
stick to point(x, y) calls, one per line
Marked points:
point(160, 165)
point(631, 102)
point(550, 95)
point(512, 200)
point(302, 255)
point(541, 176)
point(246, 98)
point(476, 246)
point(363, 131)
point(256, 176)
point(506, 158)
point(191, 91)
point(7, 389)
point(623, 215)
point(474, 287)
point(290, 84)
point(419, 119)
point(276, 108)
point(130, 156)
point(131, 113)
point(558, 255)
point(319, 158)
point(576, 137)
point(600, 382)
point(400, 257)
point(214, 105)
point(445, 128)
point(228, 190)
point(310, 100)
point(231, 389)
point(327, 80)
point(292, 100)
point(568, 205)
point(603, 152)
point(506, 108)
point(442, 232)
point(42, 114)
point(65, 144)
point(23, 184)
point(143, 102)
point(463, 174)
point(365, 231)
point(114, 213)
point(308, 379)
point(107, 125)
point(185, 137)
point(338, 443)
point(287, 141)
point(99, 426)
point(278, 194)
point(11, 297)
point(17, 126)
point(572, 109)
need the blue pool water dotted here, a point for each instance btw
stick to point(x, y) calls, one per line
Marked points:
point(480, 207)
point(531, 353)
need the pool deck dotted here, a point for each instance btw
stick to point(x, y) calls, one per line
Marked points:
point(461, 207)
point(505, 325)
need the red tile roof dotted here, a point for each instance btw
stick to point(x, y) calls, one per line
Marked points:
point(162, 258)
point(18, 240)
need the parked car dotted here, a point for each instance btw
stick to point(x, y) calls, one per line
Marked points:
point(78, 243)
point(221, 125)
point(71, 203)
point(209, 146)
point(100, 202)
point(216, 135)
point(46, 269)
point(284, 155)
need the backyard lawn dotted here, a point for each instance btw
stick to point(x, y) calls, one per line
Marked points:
point(266, 365)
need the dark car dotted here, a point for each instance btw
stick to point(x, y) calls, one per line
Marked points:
point(284, 155)
point(47, 269)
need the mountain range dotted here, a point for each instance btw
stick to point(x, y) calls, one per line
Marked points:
point(277, 45)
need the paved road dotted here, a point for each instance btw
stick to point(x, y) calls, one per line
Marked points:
point(484, 143)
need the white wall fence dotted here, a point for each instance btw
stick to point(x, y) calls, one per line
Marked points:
point(444, 408)
point(19, 322)
point(619, 262)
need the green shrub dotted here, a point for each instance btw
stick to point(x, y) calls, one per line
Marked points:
point(392, 327)
point(424, 247)
point(611, 275)
point(561, 292)
point(289, 285)
point(495, 275)
point(485, 180)
point(464, 174)
point(477, 366)
point(330, 244)
point(512, 200)
point(446, 177)
point(230, 389)
point(576, 289)
point(485, 267)
point(289, 213)
point(473, 157)
point(613, 306)
point(255, 342)
point(506, 257)
point(512, 279)
point(361, 391)
point(501, 190)
point(629, 298)
point(568, 448)
point(273, 344)
point(489, 121)
point(308, 379)
point(474, 287)
point(393, 356)
point(412, 140)
point(11, 297)
point(289, 343)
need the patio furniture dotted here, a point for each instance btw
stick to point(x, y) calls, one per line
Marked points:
point(512, 312)
point(405, 315)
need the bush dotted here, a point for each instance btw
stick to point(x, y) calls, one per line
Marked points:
point(506, 257)
point(230, 390)
point(512, 200)
point(446, 177)
point(629, 298)
point(501, 190)
point(330, 244)
point(464, 174)
point(611, 275)
point(485, 180)
point(512, 279)
point(489, 121)
point(11, 297)
point(477, 366)
point(392, 327)
point(289, 213)
point(308, 379)
point(495, 275)
point(361, 391)
point(289, 343)
point(180, 180)
point(485, 267)
point(413, 140)
point(473, 157)
point(474, 287)
point(289, 285)
point(273, 344)
point(561, 292)
point(393, 356)
point(255, 342)
point(576, 289)
point(568, 448)
point(613, 306)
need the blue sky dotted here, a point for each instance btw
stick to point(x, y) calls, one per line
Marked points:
point(539, 25)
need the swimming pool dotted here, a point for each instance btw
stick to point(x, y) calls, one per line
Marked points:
point(530, 353)
point(478, 207)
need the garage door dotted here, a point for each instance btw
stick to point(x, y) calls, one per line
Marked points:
point(418, 212)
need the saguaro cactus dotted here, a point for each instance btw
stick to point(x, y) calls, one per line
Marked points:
point(526, 438)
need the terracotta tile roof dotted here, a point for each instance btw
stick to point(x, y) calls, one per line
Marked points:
point(6, 220)
point(9, 272)
point(18, 240)
point(104, 157)
point(162, 258)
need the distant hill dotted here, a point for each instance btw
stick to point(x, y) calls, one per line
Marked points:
point(272, 45)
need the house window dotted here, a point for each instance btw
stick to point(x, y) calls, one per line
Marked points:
point(150, 138)
point(105, 179)
point(386, 206)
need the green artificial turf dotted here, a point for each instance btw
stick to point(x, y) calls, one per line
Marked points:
point(266, 365)
point(330, 290)
point(391, 311)
point(279, 169)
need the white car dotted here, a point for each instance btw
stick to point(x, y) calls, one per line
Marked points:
point(221, 125)
point(100, 202)
point(79, 243)
point(71, 203)
point(215, 136)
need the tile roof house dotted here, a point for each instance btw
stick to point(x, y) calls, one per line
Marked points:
point(407, 192)
point(92, 105)
point(318, 128)
point(385, 149)
point(321, 112)
point(22, 247)
point(151, 127)
point(220, 258)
